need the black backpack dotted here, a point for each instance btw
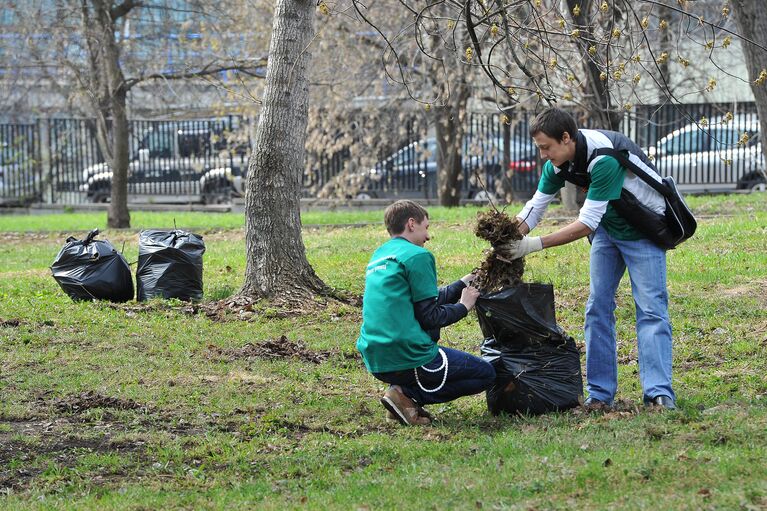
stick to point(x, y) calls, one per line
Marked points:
point(666, 230)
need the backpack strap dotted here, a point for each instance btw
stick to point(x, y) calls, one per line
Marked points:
point(636, 169)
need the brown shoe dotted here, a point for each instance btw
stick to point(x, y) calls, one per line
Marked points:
point(422, 412)
point(402, 407)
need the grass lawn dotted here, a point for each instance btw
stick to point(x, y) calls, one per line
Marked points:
point(159, 407)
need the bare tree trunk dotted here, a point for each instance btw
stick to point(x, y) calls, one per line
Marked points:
point(118, 215)
point(276, 257)
point(752, 25)
point(450, 134)
point(111, 88)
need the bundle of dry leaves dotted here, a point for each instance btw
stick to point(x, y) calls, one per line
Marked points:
point(498, 270)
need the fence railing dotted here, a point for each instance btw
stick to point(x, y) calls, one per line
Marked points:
point(20, 163)
point(60, 161)
point(167, 158)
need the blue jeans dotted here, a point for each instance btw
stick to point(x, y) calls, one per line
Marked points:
point(466, 375)
point(646, 263)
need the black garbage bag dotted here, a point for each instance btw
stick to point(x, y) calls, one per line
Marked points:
point(537, 364)
point(169, 265)
point(92, 269)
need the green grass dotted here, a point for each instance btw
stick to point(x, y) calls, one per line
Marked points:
point(212, 432)
point(85, 221)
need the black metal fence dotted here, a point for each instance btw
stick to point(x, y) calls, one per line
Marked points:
point(20, 164)
point(168, 159)
point(704, 146)
point(73, 148)
point(497, 159)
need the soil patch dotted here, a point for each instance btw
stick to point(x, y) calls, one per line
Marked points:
point(248, 308)
point(87, 400)
point(271, 349)
point(10, 323)
point(756, 288)
point(131, 309)
point(621, 409)
point(498, 270)
point(28, 440)
point(21, 238)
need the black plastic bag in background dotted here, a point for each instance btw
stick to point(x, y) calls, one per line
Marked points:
point(537, 365)
point(92, 269)
point(169, 265)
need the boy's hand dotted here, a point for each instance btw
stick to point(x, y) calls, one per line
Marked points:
point(520, 248)
point(469, 297)
point(468, 279)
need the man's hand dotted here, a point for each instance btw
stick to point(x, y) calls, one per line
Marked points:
point(469, 297)
point(520, 248)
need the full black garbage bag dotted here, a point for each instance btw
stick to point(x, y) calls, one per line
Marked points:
point(169, 265)
point(537, 364)
point(92, 269)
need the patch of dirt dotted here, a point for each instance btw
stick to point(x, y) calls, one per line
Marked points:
point(248, 308)
point(85, 401)
point(271, 349)
point(21, 238)
point(707, 361)
point(30, 439)
point(757, 288)
point(621, 409)
point(498, 270)
point(131, 308)
point(9, 323)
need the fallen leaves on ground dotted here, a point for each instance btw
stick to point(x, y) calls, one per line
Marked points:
point(272, 349)
point(79, 403)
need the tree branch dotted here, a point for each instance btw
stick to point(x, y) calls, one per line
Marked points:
point(249, 68)
point(118, 11)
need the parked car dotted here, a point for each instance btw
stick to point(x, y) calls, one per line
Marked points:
point(725, 155)
point(412, 170)
point(176, 161)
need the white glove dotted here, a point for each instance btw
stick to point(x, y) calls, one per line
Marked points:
point(520, 248)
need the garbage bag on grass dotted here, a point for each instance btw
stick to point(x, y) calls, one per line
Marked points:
point(92, 269)
point(537, 364)
point(169, 265)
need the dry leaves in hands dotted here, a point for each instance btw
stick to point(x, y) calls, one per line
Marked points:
point(498, 270)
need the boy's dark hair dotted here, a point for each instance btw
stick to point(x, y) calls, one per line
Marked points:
point(553, 123)
point(397, 215)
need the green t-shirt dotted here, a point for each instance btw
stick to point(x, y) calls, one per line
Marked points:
point(391, 339)
point(606, 183)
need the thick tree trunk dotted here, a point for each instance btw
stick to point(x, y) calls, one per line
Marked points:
point(450, 134)
point(118, 215)
point(276, 257)
point(752, 25)
point(105, 59)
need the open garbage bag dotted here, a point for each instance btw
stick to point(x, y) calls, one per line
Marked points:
point(537, 365)
point(169, 265)
point(92, 269)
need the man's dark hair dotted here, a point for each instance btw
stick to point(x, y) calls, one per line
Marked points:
point(553, 123)
point(397, 215)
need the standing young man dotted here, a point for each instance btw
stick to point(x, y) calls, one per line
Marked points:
point(615, 246)
point(402, 312)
